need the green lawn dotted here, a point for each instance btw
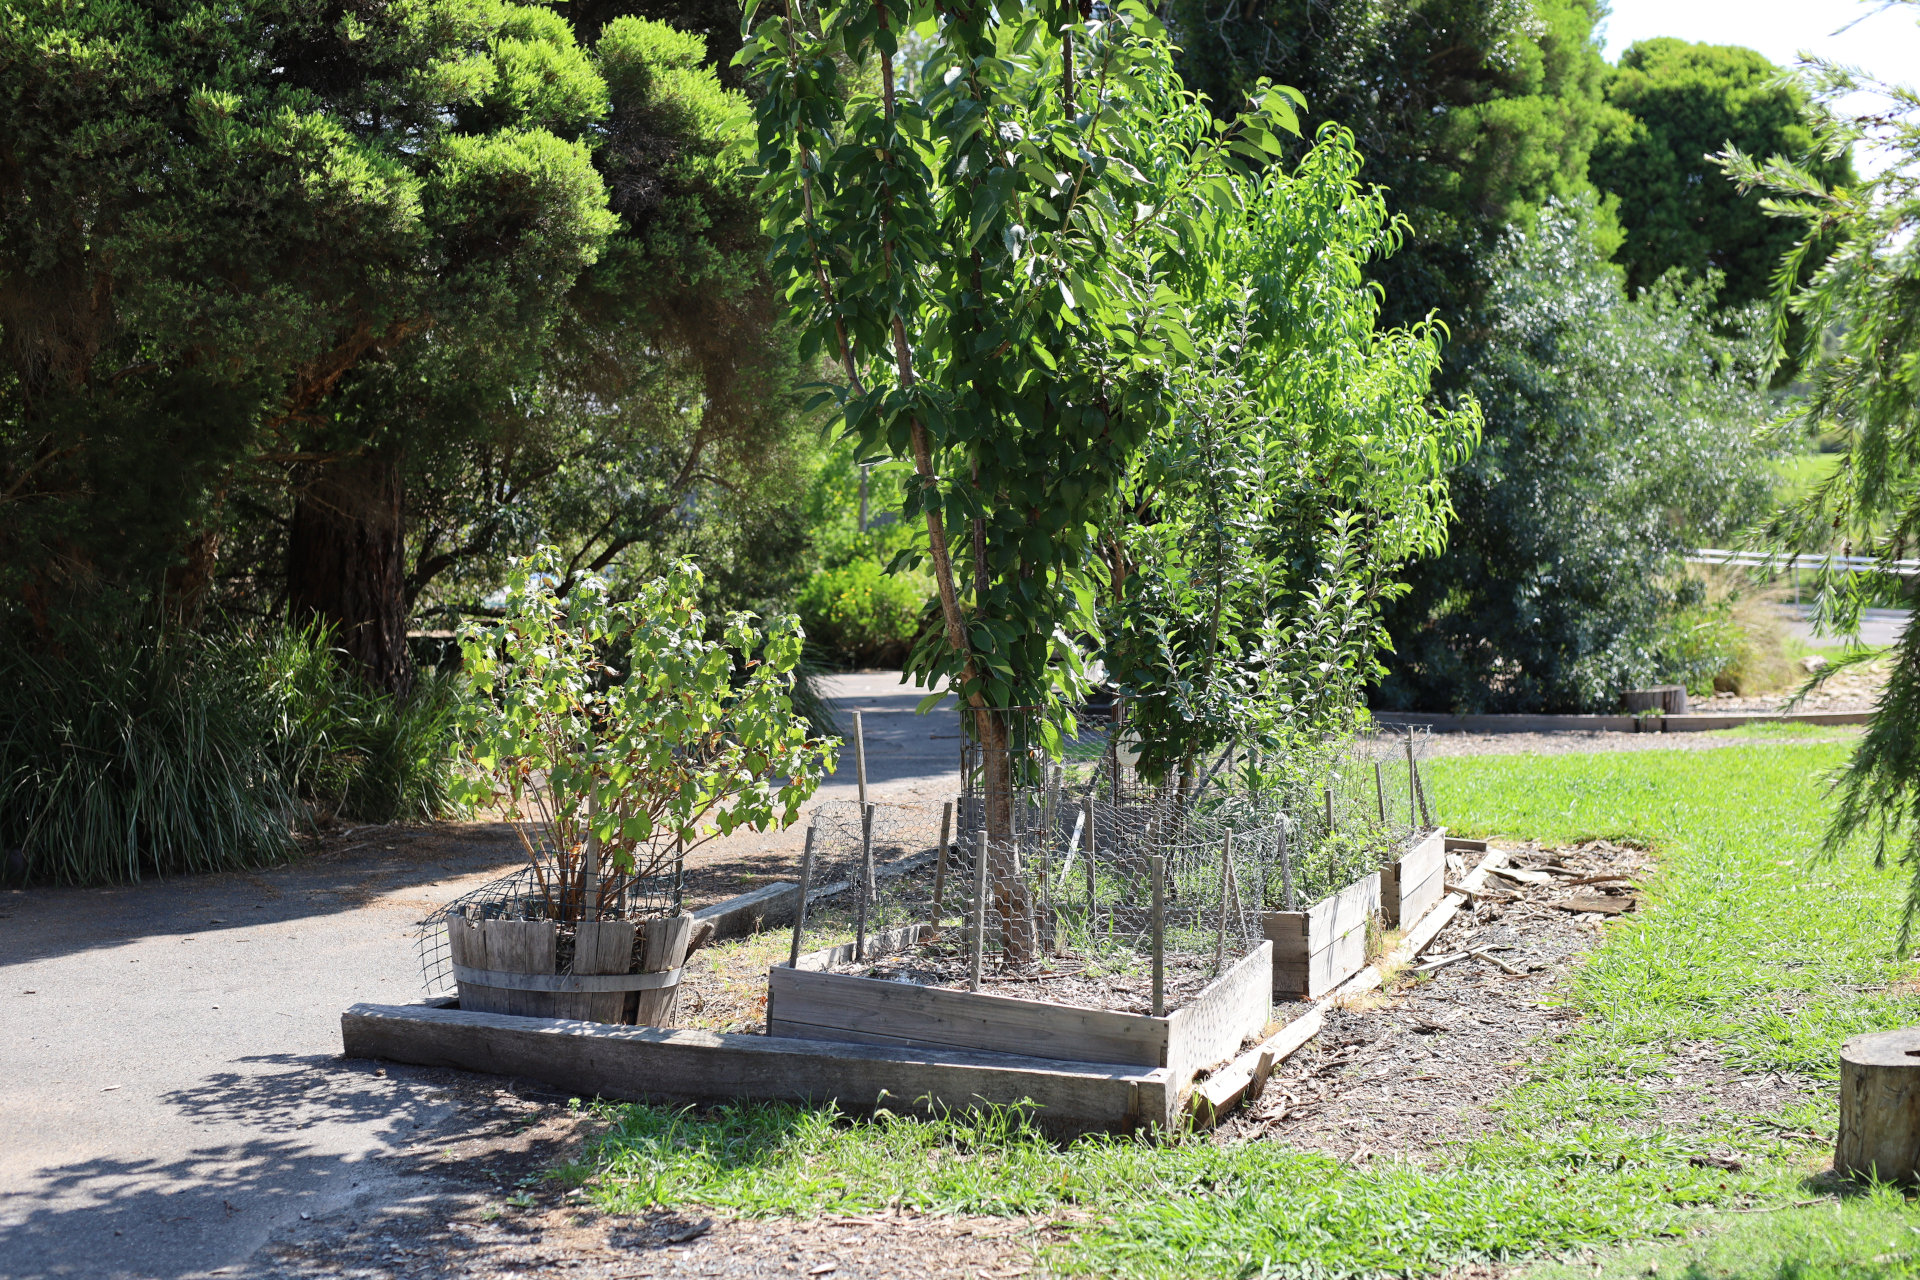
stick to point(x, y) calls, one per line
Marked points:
point(1747, 944)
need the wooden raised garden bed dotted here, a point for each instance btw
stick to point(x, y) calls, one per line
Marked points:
point(1414, 882)
point(807, 1003)
point(1316, 950)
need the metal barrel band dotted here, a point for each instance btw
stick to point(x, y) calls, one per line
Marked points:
point(504, 979)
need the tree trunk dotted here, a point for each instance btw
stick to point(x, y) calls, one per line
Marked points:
point(346, 566)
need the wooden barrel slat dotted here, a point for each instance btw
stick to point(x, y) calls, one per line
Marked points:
point(527, 950)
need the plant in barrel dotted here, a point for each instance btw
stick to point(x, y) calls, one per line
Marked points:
point(618, 734)
point(986, 242)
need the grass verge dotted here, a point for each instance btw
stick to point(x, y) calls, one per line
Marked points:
point(1748, 945)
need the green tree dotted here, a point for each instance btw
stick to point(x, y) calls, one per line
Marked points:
point(1860, 355)
point(1471, 113)
point(1302, 467)
point(1680, 104)
point(213, 215)
point(1618, 430)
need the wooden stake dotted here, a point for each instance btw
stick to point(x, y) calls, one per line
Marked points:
point(1327, 794)
point(979, 907)
point(1226, 886)
point(1159, 937)
point(800, 911)
point(1093, 890)
point(940, 866)
point(865, 894)
point(1413, 787)
point(1420, 791)
point(860, 754)
point(1286, 863)
point(1380, 791)
point(679, 874)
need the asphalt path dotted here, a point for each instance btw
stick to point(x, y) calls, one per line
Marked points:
point(172, 1096)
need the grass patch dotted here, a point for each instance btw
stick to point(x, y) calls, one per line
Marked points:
point(1748, 944)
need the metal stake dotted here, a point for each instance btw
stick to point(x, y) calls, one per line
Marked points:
point(800, 911)
point(1159, 937)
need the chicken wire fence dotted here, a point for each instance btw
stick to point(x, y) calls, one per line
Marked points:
point(525, 894)
point(1092, 864)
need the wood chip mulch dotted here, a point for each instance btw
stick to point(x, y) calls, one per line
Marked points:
point(1409, 1070)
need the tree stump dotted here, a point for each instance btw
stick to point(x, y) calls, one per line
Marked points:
point(1880, 1106)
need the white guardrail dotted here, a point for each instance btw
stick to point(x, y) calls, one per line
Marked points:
point(1802, 560)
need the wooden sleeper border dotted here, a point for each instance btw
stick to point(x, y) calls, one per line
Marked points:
point(1244, 1077)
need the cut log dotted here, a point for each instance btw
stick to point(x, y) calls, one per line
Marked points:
point(1880, 1106)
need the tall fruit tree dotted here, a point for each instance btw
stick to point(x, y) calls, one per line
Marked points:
point(986, 242)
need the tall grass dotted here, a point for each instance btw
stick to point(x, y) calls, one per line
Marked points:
point(154, 751)
point(130, 756)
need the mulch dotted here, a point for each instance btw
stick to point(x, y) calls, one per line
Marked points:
point(1408, 1072)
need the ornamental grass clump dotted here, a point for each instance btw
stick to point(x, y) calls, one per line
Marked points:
point(619, 734)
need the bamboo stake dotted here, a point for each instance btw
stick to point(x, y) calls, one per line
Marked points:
point(1159, 937)
point(978, 942)
point(800, 911)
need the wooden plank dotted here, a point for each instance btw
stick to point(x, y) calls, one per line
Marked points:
point(653, 1064)
point(665, 948)
point(599, 946)
point(1405, 893)
point(1245, 1077)
point(1214, 1024)
point(749, 913)
point(1456, 844)
point(881, 944)
point(829, 1005)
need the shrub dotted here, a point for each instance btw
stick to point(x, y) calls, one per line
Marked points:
point(153, 751)
point(138, 754)
point(1725, 635)
point(1618, 432)
point(862, 615)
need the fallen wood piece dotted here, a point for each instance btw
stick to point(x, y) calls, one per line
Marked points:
point(1523, 875)
point(1627, 880)
point(1595, 904)
point(1486, 953)
point(1476, 895)
point(1441, 962)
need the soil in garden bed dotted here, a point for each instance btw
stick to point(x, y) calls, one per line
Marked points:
point(1410, 1070)
point(1122, 984)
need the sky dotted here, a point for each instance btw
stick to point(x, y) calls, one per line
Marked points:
point(1881, 42)
point(1884, 44)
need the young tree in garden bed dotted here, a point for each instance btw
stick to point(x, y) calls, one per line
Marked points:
point(617, 768)
point(1301, 467)
point(1860, 359)
point(993, 261)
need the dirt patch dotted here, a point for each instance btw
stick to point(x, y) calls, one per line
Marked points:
point(491, 1213)
point(1125, 986)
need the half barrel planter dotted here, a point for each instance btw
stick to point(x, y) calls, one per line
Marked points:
point(1316, 950)
point(511, 966)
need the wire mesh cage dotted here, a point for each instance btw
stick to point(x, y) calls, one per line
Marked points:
point(1087, 868)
